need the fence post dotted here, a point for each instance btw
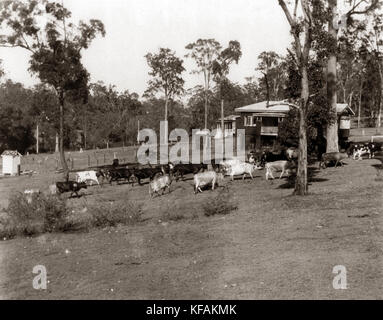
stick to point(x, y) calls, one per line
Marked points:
point(88, 160)
point(104, 159)
point(71, 163)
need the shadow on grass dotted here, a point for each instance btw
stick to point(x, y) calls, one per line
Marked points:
point(378, 166)
point(311, 176)
point(239, 178)
point(185, 178)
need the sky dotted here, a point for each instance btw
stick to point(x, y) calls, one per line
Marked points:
point(136, 27)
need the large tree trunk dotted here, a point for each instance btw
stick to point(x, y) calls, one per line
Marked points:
point(223, 128)
point(206, 103)
point(57, 149)
point(37, 138)
point(332, 128)
point(360, 101)
point(166, 121)
point(379, 117)
point(301, 186)
point(61, 139)
point(85, 129)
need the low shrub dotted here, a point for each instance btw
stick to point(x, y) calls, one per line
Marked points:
point(171, 216)
point(221, 204)
point(42, 214)
point(50, 214)
point(110, 215)
point(78, 222)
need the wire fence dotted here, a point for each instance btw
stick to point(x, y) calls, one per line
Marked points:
point(77, 161)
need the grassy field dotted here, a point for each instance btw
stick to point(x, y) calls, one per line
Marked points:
point(274, 246)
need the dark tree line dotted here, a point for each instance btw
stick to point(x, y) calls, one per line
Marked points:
point(330, 60)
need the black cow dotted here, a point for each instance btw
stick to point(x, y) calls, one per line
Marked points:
point(180, 169)
point(353, 146)
point(145, 173)
point(269, 156)
point(70, 186)
point(120, 174)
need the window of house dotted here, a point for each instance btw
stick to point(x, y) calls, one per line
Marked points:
point(228, 125)
point(270, 122)
point(248, 121)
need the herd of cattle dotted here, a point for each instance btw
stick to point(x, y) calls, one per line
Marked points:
point(160, 177)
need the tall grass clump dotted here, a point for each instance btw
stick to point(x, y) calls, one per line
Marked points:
point(221, 204)
point(44, 213)
point(379, 174)
point(113, 214)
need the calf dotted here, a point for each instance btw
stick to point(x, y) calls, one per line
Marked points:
point(353, 147)
point(251, 158)
point(206, 178)
point(70, 186)
point(158, 184)
point(357, 154)
point(281, 165)
point(29, 194)
point(332, 156)
point(85, 176)
point(52, 189)
point(374, 147)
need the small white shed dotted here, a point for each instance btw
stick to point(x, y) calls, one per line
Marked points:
point(11, 159)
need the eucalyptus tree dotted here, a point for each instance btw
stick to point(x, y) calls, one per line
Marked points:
point(335, 23)
point(372, 46)
point(272, 66)
point(220, 70)
point(166, 72)
point(204, 52)
point(55, 43)
point(301, 28)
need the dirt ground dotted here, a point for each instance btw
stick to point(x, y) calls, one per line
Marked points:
point(275, 246)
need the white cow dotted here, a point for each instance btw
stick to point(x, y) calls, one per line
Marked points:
point(227, 164)
point(84, 176)
point(203, 179)
point(280, 165)
point(242, 169)
point(361, 152)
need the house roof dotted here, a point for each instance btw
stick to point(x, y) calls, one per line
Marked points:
point(273, 106)
point(203, 132)
point(11, 153)
point(232, 117)
point(284, 107)
point(344, 107)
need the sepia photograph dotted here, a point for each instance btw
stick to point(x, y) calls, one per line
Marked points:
point(184, 150)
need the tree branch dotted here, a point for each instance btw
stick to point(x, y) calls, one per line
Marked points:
point(353, 11)
point(293, 25)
